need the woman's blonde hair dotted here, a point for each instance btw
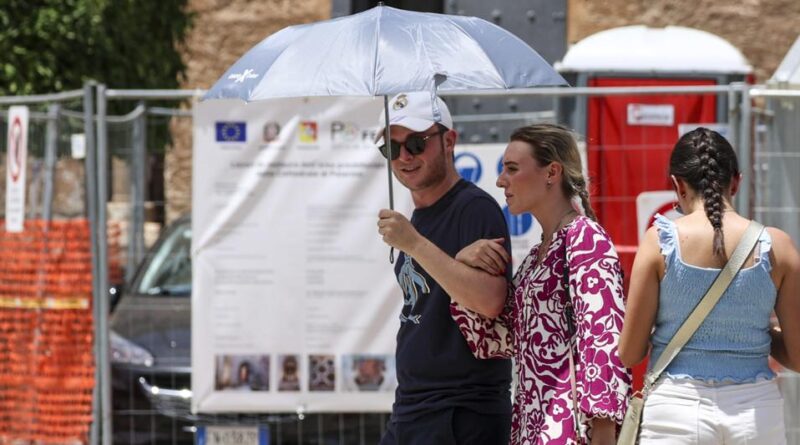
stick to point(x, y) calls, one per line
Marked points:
point(554, 143)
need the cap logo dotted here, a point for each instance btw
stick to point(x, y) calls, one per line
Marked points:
point(400, 103)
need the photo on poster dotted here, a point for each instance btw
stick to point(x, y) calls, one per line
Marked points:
point(289, 373)
point(271, 131)
point(242, 373)
point(368, 372)
point(321, 373)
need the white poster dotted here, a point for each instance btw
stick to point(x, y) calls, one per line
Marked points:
point(295, 304)
point(16, 161)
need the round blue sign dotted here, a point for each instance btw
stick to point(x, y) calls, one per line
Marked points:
point(469, 167)
point(518, 225)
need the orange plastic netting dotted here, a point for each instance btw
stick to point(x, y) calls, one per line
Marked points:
point(46, 333)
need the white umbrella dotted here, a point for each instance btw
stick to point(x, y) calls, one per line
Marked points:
point(385, 51)
point(382, 52)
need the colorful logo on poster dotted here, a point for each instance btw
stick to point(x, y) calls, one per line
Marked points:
point(231, 131)
point(344, 132)
point(518, 225)
point(307, 132)
point(469, 167)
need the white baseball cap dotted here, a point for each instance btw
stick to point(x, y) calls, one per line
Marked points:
point(415, 111)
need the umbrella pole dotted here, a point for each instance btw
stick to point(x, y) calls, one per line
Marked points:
point(387, 141)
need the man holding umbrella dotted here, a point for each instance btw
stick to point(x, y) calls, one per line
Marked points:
point(445, 394)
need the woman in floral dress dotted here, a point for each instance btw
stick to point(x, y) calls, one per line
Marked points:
point(542, 175)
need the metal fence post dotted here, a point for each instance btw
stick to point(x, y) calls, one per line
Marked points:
point(102, 302)
point(91, 208)
point(50, 154)
point(744, 204)
point(733, 114)
point(581, 114)
point(138, 179)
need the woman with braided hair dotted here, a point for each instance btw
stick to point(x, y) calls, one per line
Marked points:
point(719, 388)
point(564, 310)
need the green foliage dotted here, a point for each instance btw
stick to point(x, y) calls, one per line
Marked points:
point(55, 45)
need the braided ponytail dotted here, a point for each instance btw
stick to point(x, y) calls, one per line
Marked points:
point(707, 162)
point(711, 190)
point(580, 189)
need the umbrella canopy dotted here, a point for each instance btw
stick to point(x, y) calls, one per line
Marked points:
point(385, 51)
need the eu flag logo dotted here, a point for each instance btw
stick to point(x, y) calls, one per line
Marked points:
point(231, 131)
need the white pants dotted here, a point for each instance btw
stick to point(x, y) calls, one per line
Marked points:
point(685, 411)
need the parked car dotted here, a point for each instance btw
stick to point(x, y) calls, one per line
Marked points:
point(151, 363)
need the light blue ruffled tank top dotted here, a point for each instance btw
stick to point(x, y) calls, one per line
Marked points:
point(732, 345)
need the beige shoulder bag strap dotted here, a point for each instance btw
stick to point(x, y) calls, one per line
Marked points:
point(630, 426)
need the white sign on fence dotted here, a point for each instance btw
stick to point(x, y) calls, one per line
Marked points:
point(16, 162)
point(655, 115)
point(78, 145)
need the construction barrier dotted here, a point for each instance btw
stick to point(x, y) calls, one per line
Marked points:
point(46, 333)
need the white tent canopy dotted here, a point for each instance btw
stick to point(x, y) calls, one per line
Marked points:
point(788, 73)
point(641, 49)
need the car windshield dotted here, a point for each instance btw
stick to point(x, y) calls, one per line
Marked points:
point(169, 270)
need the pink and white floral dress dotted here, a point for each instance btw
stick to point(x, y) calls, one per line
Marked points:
point(533, 330)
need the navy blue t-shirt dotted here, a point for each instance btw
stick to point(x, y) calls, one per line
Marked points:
point(435, 367)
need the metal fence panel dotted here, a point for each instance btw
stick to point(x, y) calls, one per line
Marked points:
point(628, 156)
point(150, 405)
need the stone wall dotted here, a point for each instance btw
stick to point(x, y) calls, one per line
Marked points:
point(69, 190)
point(223, 31)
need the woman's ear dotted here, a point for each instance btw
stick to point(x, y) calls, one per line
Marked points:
point(555, 171)
point(680, 186)
point(736, 181)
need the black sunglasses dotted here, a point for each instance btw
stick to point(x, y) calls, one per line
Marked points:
point(415, 144)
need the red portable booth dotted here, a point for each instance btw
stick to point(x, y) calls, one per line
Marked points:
point(629, 137)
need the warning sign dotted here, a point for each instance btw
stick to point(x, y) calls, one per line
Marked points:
point(16, 161)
